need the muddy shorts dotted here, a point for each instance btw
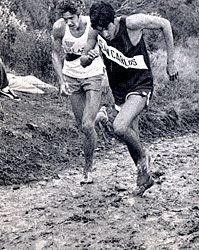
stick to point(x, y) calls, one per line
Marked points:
point(77, 85)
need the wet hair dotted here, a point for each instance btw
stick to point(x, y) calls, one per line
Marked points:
point(101, 14)
point(72, 6)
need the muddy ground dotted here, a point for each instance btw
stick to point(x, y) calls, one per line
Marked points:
point(43, 206)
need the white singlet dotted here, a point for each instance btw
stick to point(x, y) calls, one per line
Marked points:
point(75, 46)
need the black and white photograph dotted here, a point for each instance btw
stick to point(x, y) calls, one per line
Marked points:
point(99, 125)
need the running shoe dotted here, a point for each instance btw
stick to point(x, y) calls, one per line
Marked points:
point(144, 179)
point(87, 179)
point(143, 170)
point(101, 115)
point(139, 190)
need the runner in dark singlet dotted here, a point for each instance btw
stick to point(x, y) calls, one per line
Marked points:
point(124, 80)
point(128, 68)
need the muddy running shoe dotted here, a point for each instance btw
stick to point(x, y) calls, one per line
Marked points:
point(87, 179)
point(143, 171)
point(101, 115)
point(139, 190)
point(144, 179)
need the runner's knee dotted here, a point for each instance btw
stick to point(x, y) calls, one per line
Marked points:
point(87, 127)
point(119, 130)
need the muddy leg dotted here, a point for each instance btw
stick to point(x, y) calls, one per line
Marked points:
point(85, 107)
point(126, 127)
point(93, 99)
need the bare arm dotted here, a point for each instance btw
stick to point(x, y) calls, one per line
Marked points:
point(141, 21)
point(57, 36)
point(89, 53)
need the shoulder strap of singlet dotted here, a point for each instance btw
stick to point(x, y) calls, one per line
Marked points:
point(122, 23)
point(123, 26)
point(123, 20)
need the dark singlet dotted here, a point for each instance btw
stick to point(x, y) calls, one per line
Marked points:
point(124, 79)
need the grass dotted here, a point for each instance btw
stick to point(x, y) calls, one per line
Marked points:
point(174, 107)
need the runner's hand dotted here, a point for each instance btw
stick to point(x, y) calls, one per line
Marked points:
point(86, 60)
point(172, 71)
point(92, 54)
point(64, 89)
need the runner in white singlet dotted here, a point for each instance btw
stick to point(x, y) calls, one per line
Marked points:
point(83, 85)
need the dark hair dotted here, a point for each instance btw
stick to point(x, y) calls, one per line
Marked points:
point(101, 14)
point(74, 7)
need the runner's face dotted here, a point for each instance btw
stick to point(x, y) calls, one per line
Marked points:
point(73, 20)
point(107, 32)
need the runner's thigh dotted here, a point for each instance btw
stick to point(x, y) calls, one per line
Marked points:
point(78, 102)
point(130, 110)
point(92, 103)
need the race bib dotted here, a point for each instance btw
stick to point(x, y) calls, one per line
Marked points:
point(136, 62)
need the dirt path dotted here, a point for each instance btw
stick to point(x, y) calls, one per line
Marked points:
point(62, 215)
